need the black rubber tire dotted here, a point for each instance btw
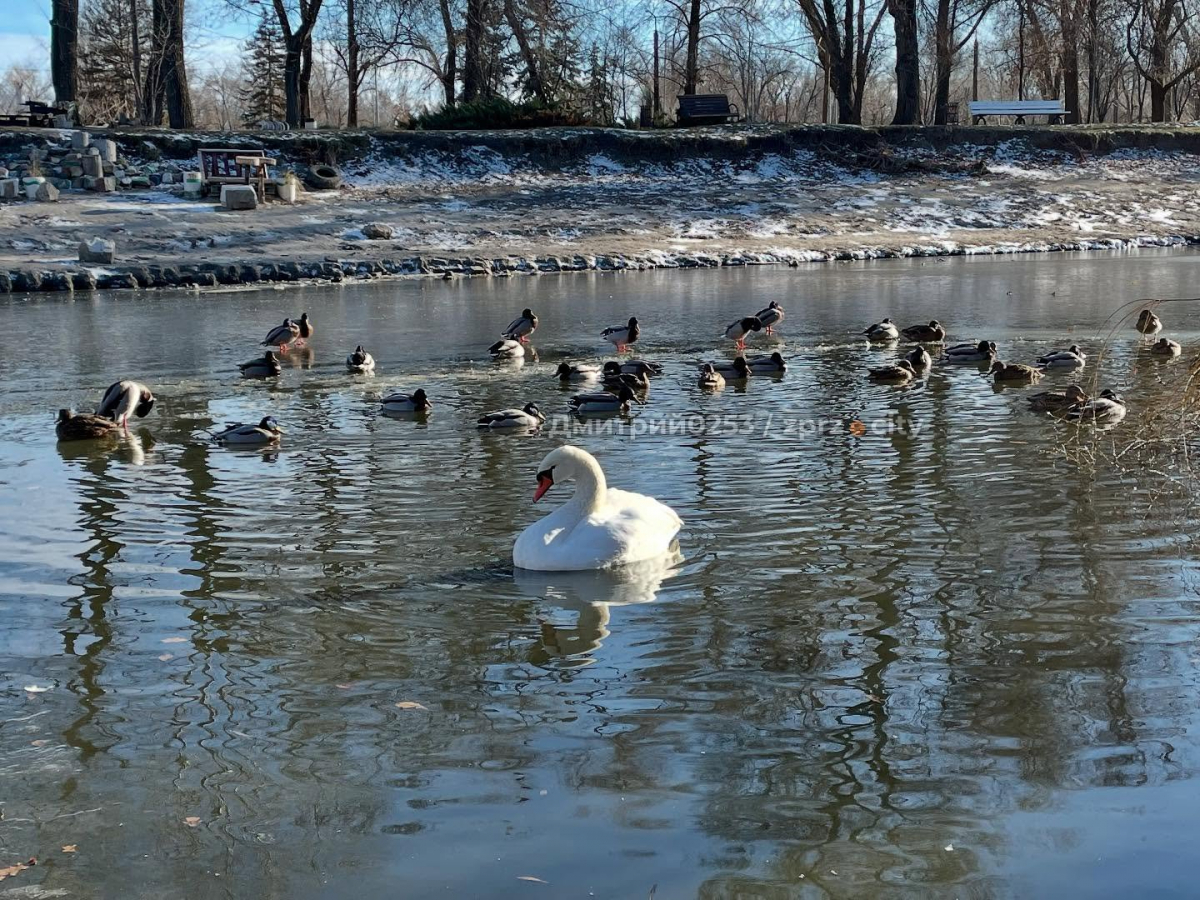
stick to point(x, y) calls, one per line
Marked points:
point(323, 178)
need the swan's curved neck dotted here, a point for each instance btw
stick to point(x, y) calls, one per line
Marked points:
point(590, 486)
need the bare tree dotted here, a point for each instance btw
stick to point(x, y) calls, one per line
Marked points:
point(64, 56)
point(297, 42)
point(166, 72)
point(845, 40)
point(908, 62)
point(955, 23)
point(1159, 46)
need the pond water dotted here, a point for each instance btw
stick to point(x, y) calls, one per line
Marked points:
point(931, 659)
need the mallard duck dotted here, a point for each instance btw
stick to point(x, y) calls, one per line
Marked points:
point(267, 431)
point(901, 373)
point(1108, 407)
point(1148, 323)
point(282, 335)
point(507, 348)
point(882, 332)
point(263, 367)
point(360, 361)
point(736, 369)
point(528, 416)
point(933, 333)
point(614, 378)
point(770, 317)
point(567, 372)
point(1071, 358)
point(1166, 347)
point(306, 329)
point(640, 367)
point(123, 398)
point(960, 354)
point(521, 327)
point(622, 335)
point(1058, 401)
point(919, 359)
point(767, 364)
point(739, 328)
point(710, 378)
point(72, 426)
point(604, 402)
point(1014, 373)
point(414, 402)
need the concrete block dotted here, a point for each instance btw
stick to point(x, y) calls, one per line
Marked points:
point(10, 188)
point(80, 139)
point(107, 149)
point(238, 196)
point(105, 185)
point(98, 251)
point(91, 166)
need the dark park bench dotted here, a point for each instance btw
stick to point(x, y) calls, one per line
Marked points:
point(705, 109)
point(40, 115)
point(1018, 109)
point(220, 166)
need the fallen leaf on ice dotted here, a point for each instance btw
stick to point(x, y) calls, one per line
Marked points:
point(165, 657)
point(15, 868)
point(174, 640)
point(69, 848)
point(191, 821)
point(528, 877)
point(410, 704)
point(35, 689)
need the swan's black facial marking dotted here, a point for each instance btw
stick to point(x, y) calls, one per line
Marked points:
point(545, 481)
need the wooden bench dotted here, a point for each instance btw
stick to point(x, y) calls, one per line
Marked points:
point(705, 109)
point(1052, 109)
point(220, 165)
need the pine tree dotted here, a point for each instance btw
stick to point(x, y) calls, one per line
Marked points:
point(112, 47)
point(262, 97)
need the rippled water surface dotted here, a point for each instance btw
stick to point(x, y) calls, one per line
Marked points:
point(928, 660)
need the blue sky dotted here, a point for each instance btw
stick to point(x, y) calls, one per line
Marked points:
point(24, 31)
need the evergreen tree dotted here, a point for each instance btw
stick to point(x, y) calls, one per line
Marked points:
point(113, 40)
point(263, 96)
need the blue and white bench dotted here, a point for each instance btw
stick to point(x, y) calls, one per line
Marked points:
point(1052, 109)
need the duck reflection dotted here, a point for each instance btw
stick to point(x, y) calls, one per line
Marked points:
point(591, 594)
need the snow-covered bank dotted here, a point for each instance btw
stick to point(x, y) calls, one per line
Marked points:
point(469, 208)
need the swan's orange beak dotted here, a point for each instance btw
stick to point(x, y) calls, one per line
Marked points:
point(545, 482)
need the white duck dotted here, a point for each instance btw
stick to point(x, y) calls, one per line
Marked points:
point(1071, 358)
point(123, 398)
point(529, 416)
point(623, 335)
point(599, 527)
point(266, 431)
point(406, 403)
point(507, 348)
point(360, 361)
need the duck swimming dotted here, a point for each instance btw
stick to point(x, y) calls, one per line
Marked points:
point(417, 401)
point(739, 328)
point(599, 527)
point(263, 367)
point(529, 416)
point(959, 354)
point(623, 335)
point(1148, 323)
point(770, 317)
point(710, 379)
point(123, 398)
point(1071, 358)
point(919, 359)
point(267, 431)
point(1014, 373)
point(567, 372)
point(733, 370)
point(282, 335)
point(882, 332)
point(1108, 407)
point(72, 426)
point(614, 378)
point(1166, 347)
point(640, 367)
point(901, 373)
point(507, 348)
point(1058, 401)
point(360, 361)
point(767, 364)
point(604, 402)
point(933, 333)
point(521, 327)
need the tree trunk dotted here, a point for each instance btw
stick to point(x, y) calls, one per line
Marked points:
point(136, 57)
point(297, 57)
point(473, 78)
point(306, 64)
point(691, 75)
point(536, 86)
point(450, 69)
point(64, 43)
point(352, 75)
point(1158, 102)
point(943, 53)
point(908, 71)
point(173, 74)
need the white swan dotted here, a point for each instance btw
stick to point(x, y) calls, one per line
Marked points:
point(599, 527)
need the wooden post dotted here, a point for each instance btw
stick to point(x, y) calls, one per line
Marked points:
point(975, 72)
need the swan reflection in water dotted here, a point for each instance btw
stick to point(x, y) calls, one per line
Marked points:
point(591, 594)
